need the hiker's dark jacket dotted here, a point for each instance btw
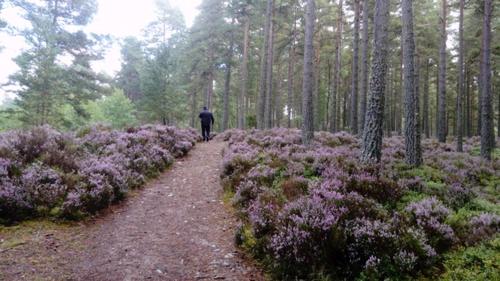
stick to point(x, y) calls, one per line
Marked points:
point(206, 118)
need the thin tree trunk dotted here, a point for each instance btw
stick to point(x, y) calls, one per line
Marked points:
point(371, 149)
point(336, 71)
point(261, 122)
point(387, 107)
point(317, 83)
point(468, 121)
point(227, 86)
point(479, 102)
point(291, 76)
point(244, 73)
point(441, 130)
point(355, 71)
point(268, 116)
point(278, 109)
point(498, 116)
point(291, 63)
point(487, 134)
point(194, 108)
point(460, 94)
point(425, 111)
point(412, 140)
point(364, 67)
point(308, 81)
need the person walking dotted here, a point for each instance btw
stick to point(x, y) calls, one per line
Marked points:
point(207, 120)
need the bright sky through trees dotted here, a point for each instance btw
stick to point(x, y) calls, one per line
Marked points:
point(119, 18)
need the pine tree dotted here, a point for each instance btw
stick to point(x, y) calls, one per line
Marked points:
point(460, 94)
point(308, 80)
point(355, 71)
point(371, 148)
point(487, 134)
point(128, 79)
point(364, 67)
point(413, 155)
point(264, 76)
point(45, 84)
point(442, 124)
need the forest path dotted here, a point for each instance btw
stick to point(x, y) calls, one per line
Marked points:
point(176, 229)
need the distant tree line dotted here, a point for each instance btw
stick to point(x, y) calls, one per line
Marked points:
point(318, 65)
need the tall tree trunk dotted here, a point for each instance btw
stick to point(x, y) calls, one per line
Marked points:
point(371, 149)
point(244, 73)
point(227, 85)
point(291, 70)
point(395, 99)
point(278, 109)
point(460, 94)
point(487, 133)
point(308, 81)
point(364, 67)
point(479, 101)
point(335, 87)
point(412, 140)
point(290, 84)
point(468, 117)
point(194, 109)
point(425, 112)
point(261, 122)
point(355, 71)
point(498, 116)
point(268, 116)
point(400, 101)
point(387, 106)
point(442, 124)
point(317, 82)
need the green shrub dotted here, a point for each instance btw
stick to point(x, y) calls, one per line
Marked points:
point(474, 263)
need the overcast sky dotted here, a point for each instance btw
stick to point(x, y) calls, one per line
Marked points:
point(119, 18)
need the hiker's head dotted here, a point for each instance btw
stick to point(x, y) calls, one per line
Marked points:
point(205, 108)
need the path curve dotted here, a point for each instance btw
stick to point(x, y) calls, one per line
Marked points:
point(177, 228)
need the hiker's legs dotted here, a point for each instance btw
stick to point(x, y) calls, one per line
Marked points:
point(205, 131)
point(208, 132)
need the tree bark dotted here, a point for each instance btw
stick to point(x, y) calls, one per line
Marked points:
point(364, 67)
point(227, 86)
point(460, 94)
point(244, 73)
point(290, 84)
point(468, 118)
point(291, 70)
point(335, 88)
point(268, 116)
point(355, 71)
point(261, 122)
point(308, 81)
point(194, 109)
point(441, 130)
point(371, 149)
point(278, 109)
point(425, 112)
point(412, 140)
point(487, 133)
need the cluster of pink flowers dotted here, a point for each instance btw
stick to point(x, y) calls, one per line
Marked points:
point(318, 207)
point(47, 173)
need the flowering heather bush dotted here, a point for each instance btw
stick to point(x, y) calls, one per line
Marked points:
point(316, 210)
point(483, 226)
point(430, 215)
point(44, 172)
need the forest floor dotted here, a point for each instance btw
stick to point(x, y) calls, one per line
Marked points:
point(176, 228)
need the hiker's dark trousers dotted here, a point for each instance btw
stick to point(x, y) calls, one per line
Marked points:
point(205, 132)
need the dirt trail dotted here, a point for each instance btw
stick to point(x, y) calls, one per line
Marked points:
point(176, 228)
